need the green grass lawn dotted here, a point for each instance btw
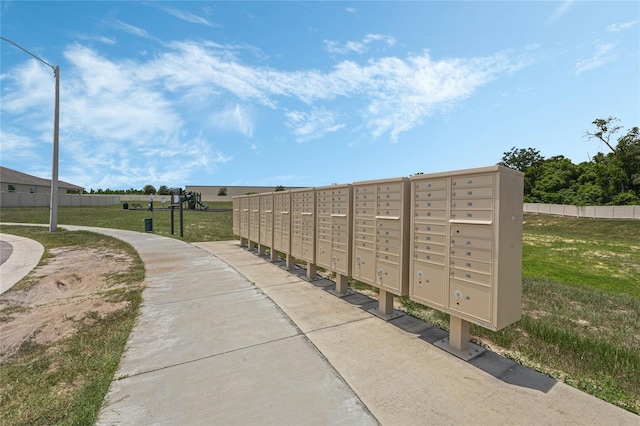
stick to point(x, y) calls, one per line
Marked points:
point(197, 225)
point(581, 292)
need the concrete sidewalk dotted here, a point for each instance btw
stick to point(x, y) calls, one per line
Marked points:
point(226, 337)
point(20, 256)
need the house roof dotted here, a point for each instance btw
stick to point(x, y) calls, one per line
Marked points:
point(13, 176)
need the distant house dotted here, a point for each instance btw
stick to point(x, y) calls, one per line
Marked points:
point(15, 181)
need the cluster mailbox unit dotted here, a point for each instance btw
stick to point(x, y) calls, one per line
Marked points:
point(451, 241)
point(303, 228)
point(266, 225)
point(381, 238)
point(282, 225)
point(466, 256)
point(334, 224)
point(254, 221)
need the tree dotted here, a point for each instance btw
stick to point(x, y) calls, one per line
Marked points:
point(622, 165)
point(163, 190)
point(222, 191)
point(279, 188)
point(557, 183)
point(149, 189)
point(527, 161)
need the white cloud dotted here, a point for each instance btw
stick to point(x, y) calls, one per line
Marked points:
point(187, 16)
point(131, 29)
point(236, 119)
point(621, 27)
point(312, 125)
point(603, 55)
point(335, 47)
point(351, 9)
point(131, 115)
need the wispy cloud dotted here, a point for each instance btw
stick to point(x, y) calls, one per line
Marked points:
point(335, 47)
point(560, 10)
point(621, 27)
point(236, 119)
point(311, 125)
point(603, 55)
point(187, 16)
point(131, 29)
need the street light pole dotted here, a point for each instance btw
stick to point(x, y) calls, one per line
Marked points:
point(53, 209)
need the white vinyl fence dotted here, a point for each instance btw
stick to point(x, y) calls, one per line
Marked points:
point(595, 212)
point(25, 199)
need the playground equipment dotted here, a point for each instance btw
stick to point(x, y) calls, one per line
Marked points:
point(193, 200)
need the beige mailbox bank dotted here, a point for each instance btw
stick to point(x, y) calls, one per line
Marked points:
point(451, 241)
point(466, 252)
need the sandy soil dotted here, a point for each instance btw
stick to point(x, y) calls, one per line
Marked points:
point(67, 291)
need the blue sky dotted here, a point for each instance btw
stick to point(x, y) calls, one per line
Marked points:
point(308, 93)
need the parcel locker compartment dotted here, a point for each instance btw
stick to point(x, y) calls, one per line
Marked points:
point(476, 243)
point(429, 184)
point(472, 215)
point(340, 261)
point(423, 237)
point(438, 194)
point(364, 264)
point(479, 192)
point(472, 203)
point(323, 253)
point(471, 231)
point(308, 251)
point(430, 248)
point(471, 265)
point(430, 228)
point(471, 276)
point(428, 284)
point(296, 247)
point(430, 204)
point(429, 257)
point(472, 180)
point(473, 254)
point(472, 300)
point(429, 214)
point(388, 276)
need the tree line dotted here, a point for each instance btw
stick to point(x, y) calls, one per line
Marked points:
point(611, 178)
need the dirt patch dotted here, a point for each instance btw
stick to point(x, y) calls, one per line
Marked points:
point(71, 289)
